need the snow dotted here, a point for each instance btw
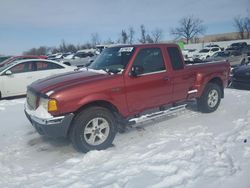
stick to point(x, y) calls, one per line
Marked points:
point(93, 70)
point(40, 112)
point(187, 149)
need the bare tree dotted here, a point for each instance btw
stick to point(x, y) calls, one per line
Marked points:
point(247, 26)
point(189, 28)
point(124, 36)
point(95, 39)
point(239, 25)
point(62, 47)
point(109, 41)
point(42, 50)
point(149, 39)
point(131, 33)
point(143, 34)
point(157, 35)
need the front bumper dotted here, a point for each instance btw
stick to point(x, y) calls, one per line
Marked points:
point(52, 127)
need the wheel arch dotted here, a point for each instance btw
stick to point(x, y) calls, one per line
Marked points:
point(101, 103)
point(218, 81)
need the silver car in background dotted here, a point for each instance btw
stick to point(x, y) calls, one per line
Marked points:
point(81, 58)
point(234, 57)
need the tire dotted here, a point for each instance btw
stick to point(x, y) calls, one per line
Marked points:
point(210, 98)
point(94, 128)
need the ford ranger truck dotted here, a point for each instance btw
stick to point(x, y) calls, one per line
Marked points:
point(90, 105)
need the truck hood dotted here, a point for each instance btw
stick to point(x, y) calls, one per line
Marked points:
point(69, 79)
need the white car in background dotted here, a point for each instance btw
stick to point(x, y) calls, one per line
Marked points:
point(81, 58)
point(16, 76)
point(205, 53)
point(188, 54)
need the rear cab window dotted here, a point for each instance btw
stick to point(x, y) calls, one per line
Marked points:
point(175, 58)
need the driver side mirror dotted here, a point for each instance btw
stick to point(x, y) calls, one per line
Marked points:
point(136, 70)
point(8, 72)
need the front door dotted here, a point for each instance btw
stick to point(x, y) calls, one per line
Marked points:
point(150, 88)
point(16, 83)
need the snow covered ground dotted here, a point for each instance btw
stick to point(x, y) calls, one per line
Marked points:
point(188, 149)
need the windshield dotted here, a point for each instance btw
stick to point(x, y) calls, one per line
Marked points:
point(113, 60)
point(3, 67)
point(7, 61)
point(235, 44)
point(204, 51)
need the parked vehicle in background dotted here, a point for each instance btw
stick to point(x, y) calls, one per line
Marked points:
point(205, 53)
point(16, 58)
point(241, 77)
point(188, 54)
point(3, 58)
point(237, 46)
point(248, 53)
point(234, 57)
point(14, 77)
point(101, 47)
point(81, 58)
point(214, 45)
point(123, 82)
point(58, 56)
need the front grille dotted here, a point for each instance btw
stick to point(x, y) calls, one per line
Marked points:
point(31, 100)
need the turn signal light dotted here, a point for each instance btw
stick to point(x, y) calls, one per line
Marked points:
point(52, 105)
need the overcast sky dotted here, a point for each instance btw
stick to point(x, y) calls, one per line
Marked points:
point(32, 23)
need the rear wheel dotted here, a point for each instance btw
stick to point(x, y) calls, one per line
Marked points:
point(93, 128)
point(210, 98)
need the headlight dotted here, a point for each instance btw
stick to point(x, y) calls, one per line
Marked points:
point(49, 104)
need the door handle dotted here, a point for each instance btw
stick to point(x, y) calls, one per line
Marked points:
point(166, 78)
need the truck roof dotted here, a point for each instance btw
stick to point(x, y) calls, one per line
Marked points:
point(144, 45)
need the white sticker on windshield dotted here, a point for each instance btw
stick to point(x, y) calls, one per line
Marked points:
point(126, 49)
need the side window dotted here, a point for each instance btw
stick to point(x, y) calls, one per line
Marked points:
point(42, 65)
point(90, 54)
point(81, 55)
point(215, 49)
point(175, 58)
point(150, 60)
point(54, 66)
point(21, 68)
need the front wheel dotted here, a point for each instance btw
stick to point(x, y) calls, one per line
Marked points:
point(93, 128)
point(210, 98)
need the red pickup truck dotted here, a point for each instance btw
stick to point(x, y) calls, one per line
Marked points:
point(90, 105)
